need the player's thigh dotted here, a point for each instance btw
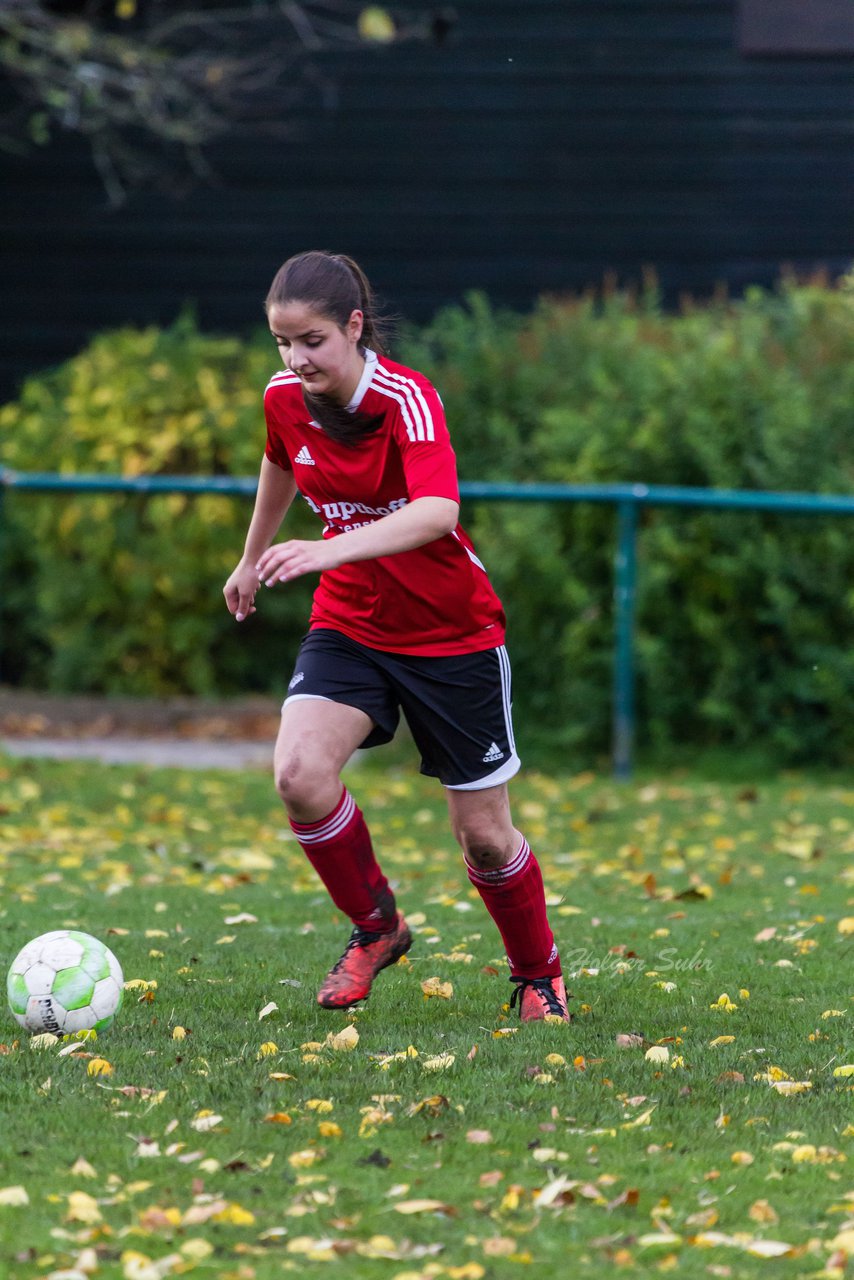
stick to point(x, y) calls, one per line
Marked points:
point(458, 709)
point(316, 739)
point(334, 668)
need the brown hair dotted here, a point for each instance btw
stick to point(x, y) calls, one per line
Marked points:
point(334, 286)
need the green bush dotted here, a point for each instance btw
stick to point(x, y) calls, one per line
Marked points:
point(744, 620)
point(123, 593)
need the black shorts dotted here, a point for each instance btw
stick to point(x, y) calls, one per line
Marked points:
point(457, 708)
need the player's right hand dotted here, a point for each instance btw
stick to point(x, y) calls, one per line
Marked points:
point(240, 590)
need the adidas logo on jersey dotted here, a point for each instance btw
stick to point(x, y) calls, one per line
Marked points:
point(305, 457)
point(494, 754)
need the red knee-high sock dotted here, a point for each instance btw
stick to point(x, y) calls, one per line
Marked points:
point(514, 897)
point(340, 850)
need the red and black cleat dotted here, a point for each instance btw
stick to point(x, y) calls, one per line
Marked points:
point(540, 999)
point(350, 980)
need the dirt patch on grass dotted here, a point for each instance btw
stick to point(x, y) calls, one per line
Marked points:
point(27, 713)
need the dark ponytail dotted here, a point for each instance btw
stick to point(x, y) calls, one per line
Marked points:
point(334, 286)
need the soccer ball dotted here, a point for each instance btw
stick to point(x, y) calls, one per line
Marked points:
point(65, 981)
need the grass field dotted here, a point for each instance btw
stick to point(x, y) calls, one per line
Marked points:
point(226, 1126)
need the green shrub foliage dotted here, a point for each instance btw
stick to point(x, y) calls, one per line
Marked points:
point(123, 593)
point(744, 620)
point(744, 624)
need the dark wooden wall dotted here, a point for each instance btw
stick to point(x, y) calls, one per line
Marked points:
point(543, 145)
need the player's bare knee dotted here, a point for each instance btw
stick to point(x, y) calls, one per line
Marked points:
point(484, 857)
point(483, 849)
point(297, 783)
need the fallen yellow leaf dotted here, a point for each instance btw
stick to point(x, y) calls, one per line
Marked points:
point(441, 1062)
point(14, 1196)
point(436, 987)
point(314, 1250)
point(810, 1154)
point(761, 1211)
point(773, 1074)
point(137, 1266)
point(423, 1206)
point(305, 1159)
point(205, 1120)
point(155, 1218)
point(235, 1215)
point(196, 1250)
point(44, 1041)
point(343, 1041)
point(83, 1208)
point(197, 1214)
point(640, 1121)
point(768, 1248)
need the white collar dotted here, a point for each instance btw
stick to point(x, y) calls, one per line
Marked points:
point(371, 362)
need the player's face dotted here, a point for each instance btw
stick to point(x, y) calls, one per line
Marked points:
point(325, 357)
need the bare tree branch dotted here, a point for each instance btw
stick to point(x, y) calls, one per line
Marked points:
point(150, 98)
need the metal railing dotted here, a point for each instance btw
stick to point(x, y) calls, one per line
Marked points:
point(626, 498)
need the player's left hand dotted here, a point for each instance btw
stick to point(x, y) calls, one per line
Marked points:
point(286, 560)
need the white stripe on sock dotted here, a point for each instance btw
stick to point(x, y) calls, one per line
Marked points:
point(516, 865)
point(332, 826)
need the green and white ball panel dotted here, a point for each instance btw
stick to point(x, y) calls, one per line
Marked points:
point(18, 993)
point(96, 961)
point(65, 981)
point(44, 1014)
point(106, 1001)
point(116, 971)
point(26, 957)
point(62, 953)
point(73, 988)
point(39, 979)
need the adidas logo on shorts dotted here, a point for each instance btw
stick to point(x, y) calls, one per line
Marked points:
point(494, 754)
point(300, 675)
point(305, 457)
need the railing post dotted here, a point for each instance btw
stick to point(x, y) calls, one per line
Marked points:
point(625, 590)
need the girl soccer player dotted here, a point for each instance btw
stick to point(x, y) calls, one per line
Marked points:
point(404, 618)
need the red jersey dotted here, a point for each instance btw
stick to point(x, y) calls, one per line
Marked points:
point(434, 600)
